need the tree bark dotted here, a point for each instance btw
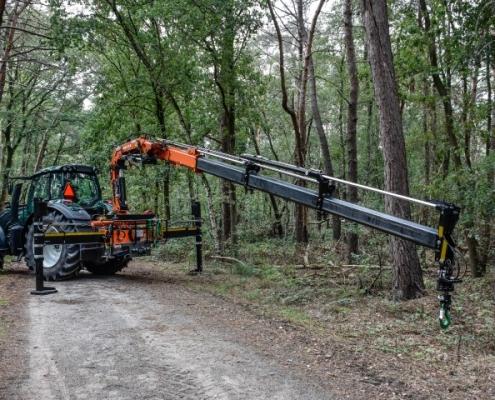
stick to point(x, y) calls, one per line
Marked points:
point(298, 117)
point(228, 189)
point(340, 122)
point(301, 231)
point(443, 88)
point(60, 147)
point(41, 151)
point(7, 167)
point(166, 194)
point(2, 10)
point(277, 228)
point(27, 155)
point(352, 194)
point(468, 102)
point(8, 46)
point(370, 130)
point(225, 80)
point(156, 197)
point(217, 242)
point(322, 137)
point(407, 274)
point(427, 140)
point(489, 147)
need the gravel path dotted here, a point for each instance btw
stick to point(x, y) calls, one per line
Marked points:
point(126, 338)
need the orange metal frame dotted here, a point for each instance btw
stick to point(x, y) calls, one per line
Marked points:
point(126, 232)
point(156, 149)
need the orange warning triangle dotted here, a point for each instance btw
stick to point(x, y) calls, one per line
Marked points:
point(69, 192)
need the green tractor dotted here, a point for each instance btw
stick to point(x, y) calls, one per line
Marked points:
point(74, 198)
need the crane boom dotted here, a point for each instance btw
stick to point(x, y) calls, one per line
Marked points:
point(247, 171)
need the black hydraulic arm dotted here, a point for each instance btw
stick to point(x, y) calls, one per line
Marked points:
point(440, 239)
point(419, 234)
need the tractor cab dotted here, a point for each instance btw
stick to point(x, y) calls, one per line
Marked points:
point(76, 184)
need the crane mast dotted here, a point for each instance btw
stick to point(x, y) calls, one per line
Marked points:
point(247, 170)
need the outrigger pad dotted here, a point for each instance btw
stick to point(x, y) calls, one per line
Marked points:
point(45, 290)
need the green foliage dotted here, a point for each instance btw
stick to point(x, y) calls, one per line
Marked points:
point(172, 68)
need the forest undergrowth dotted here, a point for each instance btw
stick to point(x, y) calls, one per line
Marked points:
point(349, 305)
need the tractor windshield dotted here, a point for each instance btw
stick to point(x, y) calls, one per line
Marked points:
point(85, 187)
point(51, 186)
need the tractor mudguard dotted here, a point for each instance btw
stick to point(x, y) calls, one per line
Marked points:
point(70, 210)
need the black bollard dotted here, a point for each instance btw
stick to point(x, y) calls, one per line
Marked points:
point(40, 209)
point(196, 212)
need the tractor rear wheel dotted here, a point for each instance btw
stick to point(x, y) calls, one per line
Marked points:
point(60, 261)
point(110, 267)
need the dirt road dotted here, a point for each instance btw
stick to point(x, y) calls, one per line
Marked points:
point(133, 337)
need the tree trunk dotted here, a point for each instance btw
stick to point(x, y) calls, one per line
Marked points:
point(322, 137)
point(300, 216)
point(298, 117)
point(161, 121)
point(215, 231)
point(352, 194)
point(9, 44)
point(166, 194)
point(443, 88)
point(156, 197)
point(27, 155)
point(60, 147)
point(427, 140)
point(277, 228)
point(340, 120)
point(225, 80)
point(427, 153)
point(2, 10)
point(301, 213)
point(228, 189)
point(369, 141)
point(41, 151)
point(7, 167)
point(190, 187)
point(159, 109)
point(489, 147)
point(407, 274)
point(477, 270)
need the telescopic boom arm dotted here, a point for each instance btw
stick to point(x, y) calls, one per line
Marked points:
point(246, 170)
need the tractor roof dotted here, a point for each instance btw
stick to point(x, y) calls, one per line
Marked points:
point(85, 169)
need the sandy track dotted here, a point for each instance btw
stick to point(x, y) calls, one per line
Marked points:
point(129, 338)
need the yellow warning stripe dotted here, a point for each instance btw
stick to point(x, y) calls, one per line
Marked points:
point(440, 231)
point(443, 251)
point(179, 229)
point(69, 234)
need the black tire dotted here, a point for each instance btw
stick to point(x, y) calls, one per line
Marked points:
point(69, 262)
point(111, 267)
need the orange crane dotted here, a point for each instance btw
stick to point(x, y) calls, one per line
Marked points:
point(126, 232)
